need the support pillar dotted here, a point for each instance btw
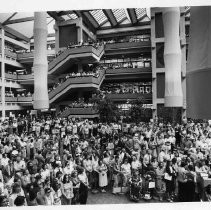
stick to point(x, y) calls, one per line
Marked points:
point(3, 73)
point(79, 34)
point(172, 57)
point(40, 65)
point(199, 64)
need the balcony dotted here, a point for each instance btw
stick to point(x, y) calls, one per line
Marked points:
point(10, 83)
point(127, 48)
point(11, 76)
point(10, 59)
point(28, 57)
point(27, 99)
point(10, 99)
point(89, 112)
point(76, 82)
point(128, 73)
point(129, 96)
point(82, 54)
point(19, 99)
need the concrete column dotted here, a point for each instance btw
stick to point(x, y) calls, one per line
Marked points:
point(40, 65)
point(3, 74)
point(79, 34)
point(172, 57)
point(199, 64)
point(56, 28)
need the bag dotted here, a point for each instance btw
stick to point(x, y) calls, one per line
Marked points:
point(167, 177)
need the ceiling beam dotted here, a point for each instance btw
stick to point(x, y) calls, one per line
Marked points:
point(20, 20)
point(132, 15)
point(69, 12)
point(104, 22)
point(15, 33)
point(91, 19)
point(85, 20)
point(9, 18)
point(123, 19)
point(141, 18)
point(111, 18)
point(55, 16)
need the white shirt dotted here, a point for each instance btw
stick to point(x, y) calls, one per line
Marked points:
point(125, 168)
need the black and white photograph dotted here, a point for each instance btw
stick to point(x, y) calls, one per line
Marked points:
point(105, 106)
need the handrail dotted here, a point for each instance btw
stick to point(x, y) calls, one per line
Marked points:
point(122, 70)
point(18, 99)
point(70, 51)
point(131, 96)
point(76, 82)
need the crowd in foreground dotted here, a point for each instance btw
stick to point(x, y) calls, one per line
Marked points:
point(52, 161)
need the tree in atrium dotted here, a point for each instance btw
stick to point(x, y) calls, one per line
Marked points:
point(108, 111)
point(138, 112)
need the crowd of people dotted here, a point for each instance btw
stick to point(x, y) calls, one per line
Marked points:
point(95, 44)
point(121, 88)
point(94, 73)
point(53, 161)
point(136, 38)
point(139, 63)
point(13, 94)
point(79, 103)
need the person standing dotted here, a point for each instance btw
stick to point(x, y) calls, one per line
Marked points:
point(103, 179)
point(84, 186)
point(181, 178)
point(67, 190)
point(169, 180)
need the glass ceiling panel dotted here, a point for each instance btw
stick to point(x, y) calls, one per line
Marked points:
point(140, 12)
point(22, 15)
point(73, 16)
point(25, 28)
point(187, 11)
point(126, 21)
point(4, 16)
point(51, 27)
point(106, 24)
point(145, 19)
point(119, 14)
point(98, 15)
point(66, 17)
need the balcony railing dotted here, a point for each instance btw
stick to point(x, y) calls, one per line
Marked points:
point(129, 96)
point(27, 55)
point(127, 45)
point(76, 82)
point(129, 70)
point(78, 52)
point(18, 99)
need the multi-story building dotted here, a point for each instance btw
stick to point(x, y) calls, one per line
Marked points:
point(117, 51)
